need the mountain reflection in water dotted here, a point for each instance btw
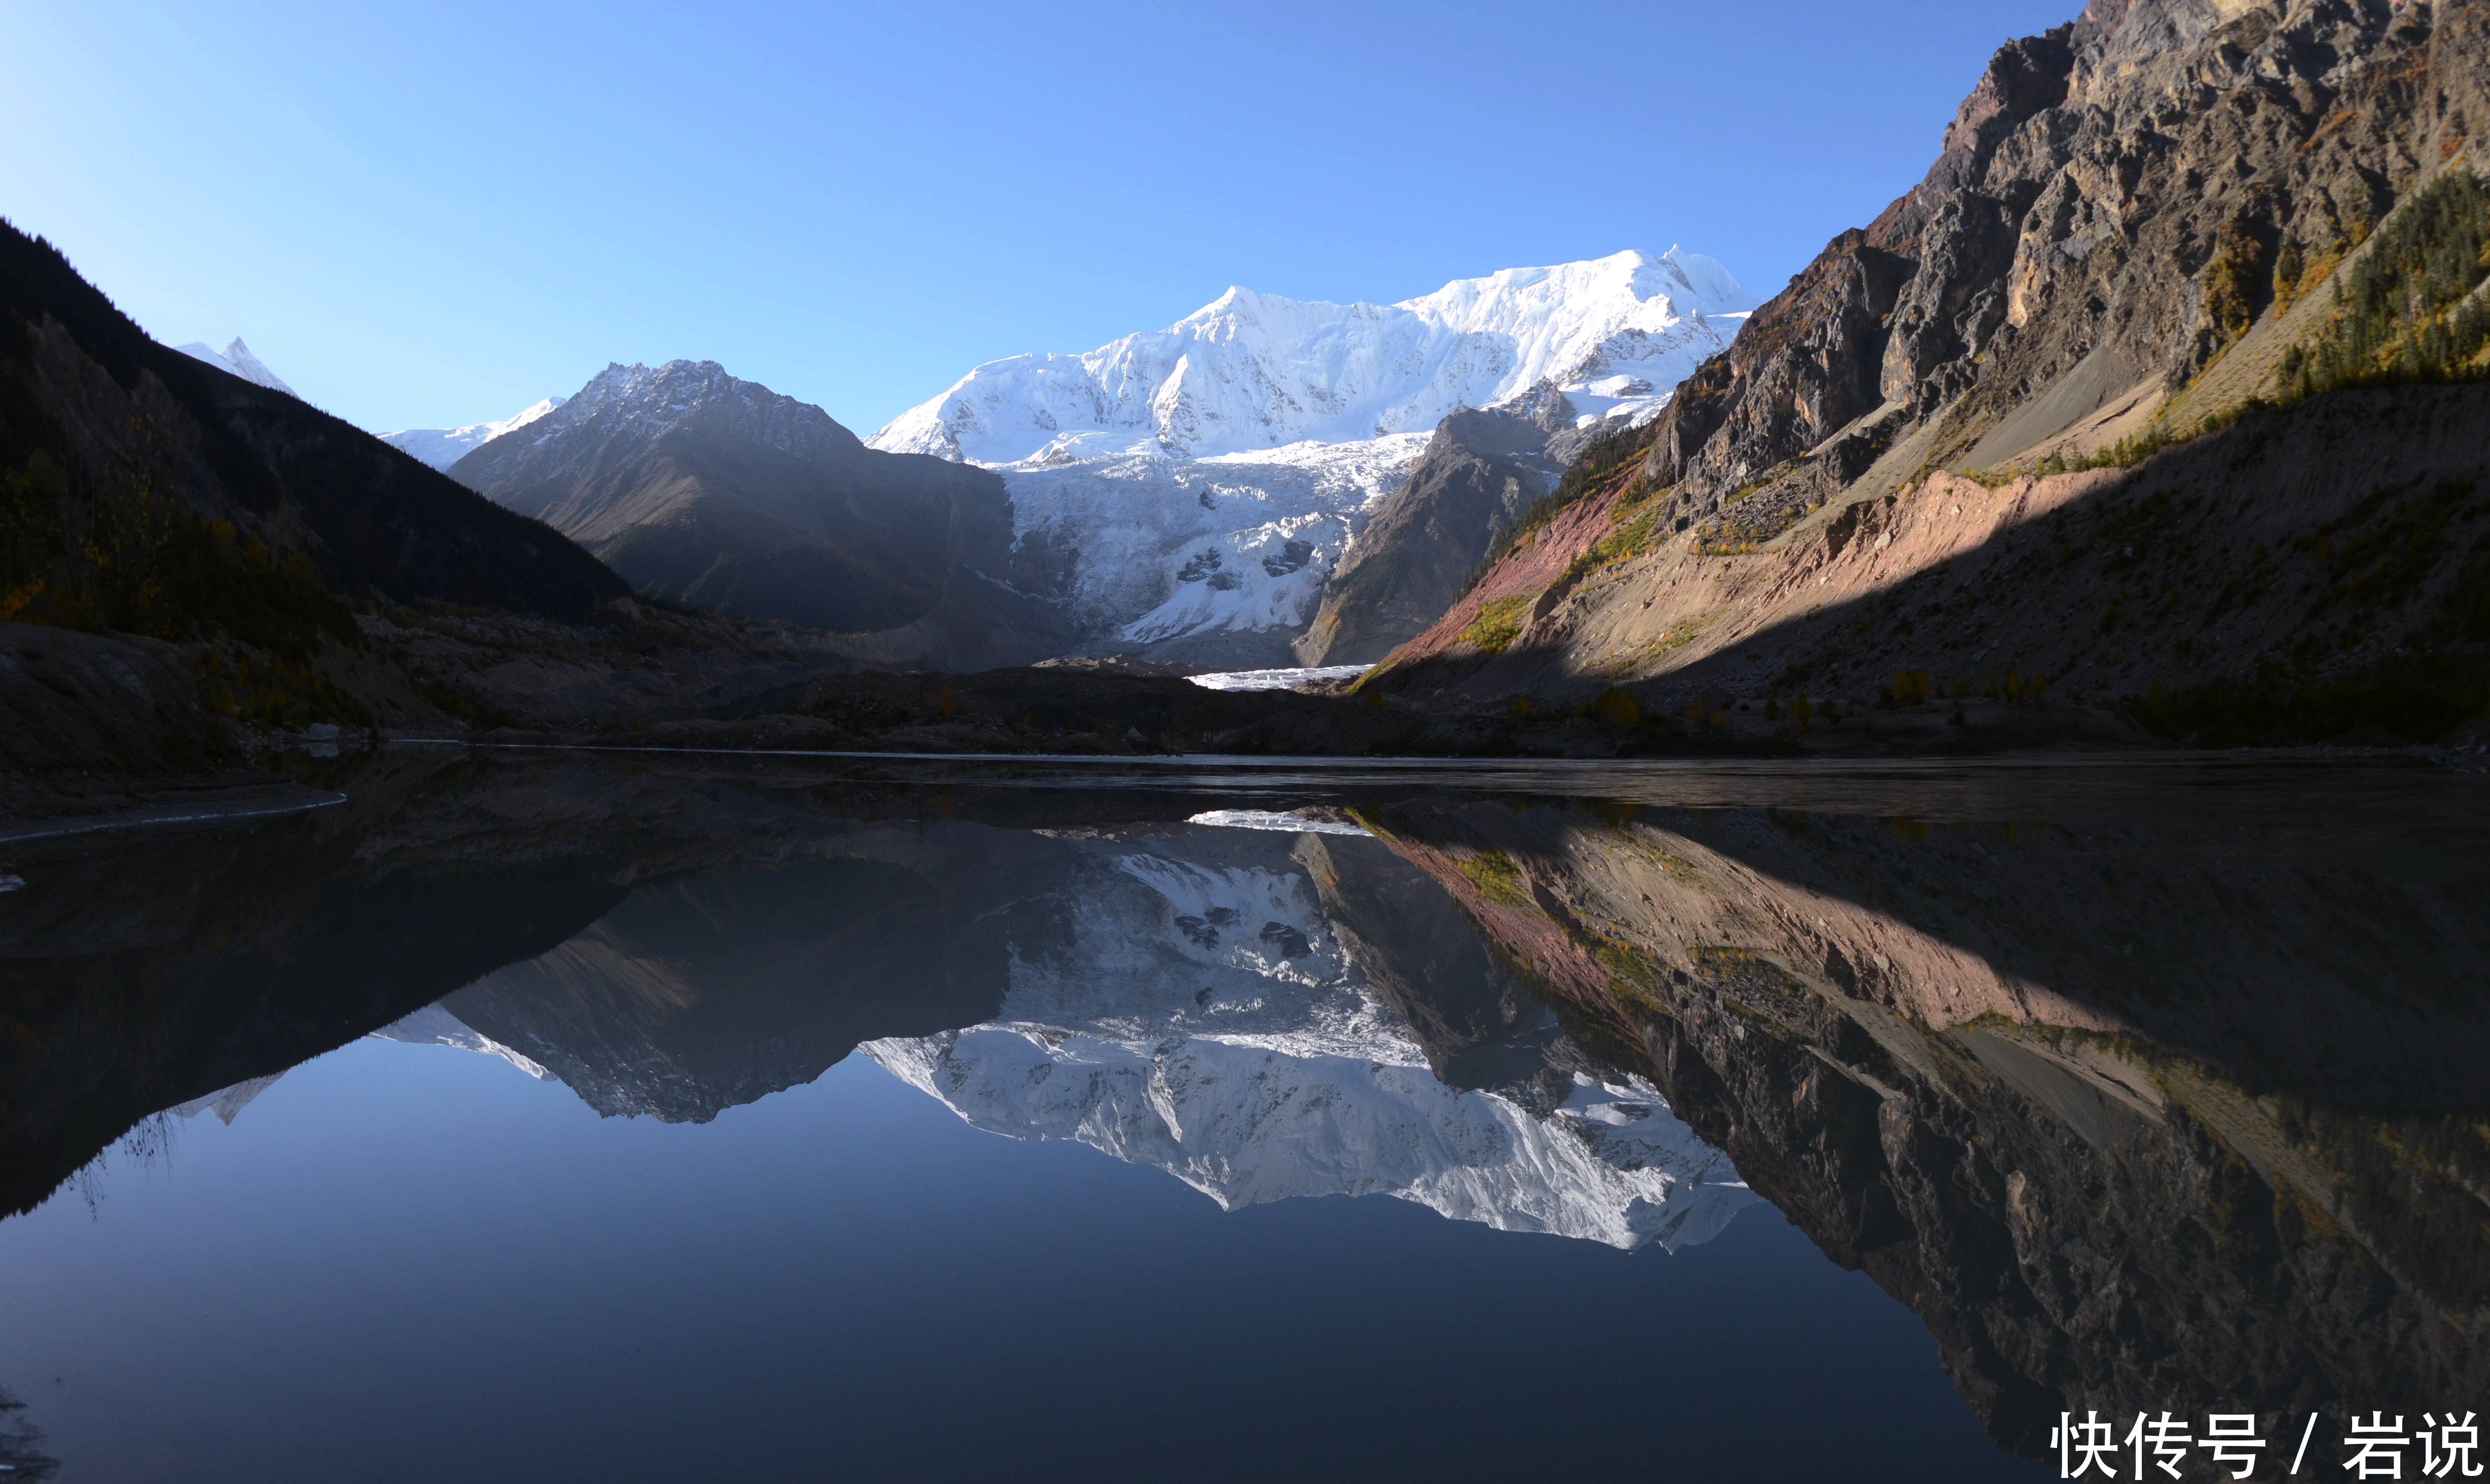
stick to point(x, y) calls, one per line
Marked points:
point(2143, 1089)
point(1174, 994)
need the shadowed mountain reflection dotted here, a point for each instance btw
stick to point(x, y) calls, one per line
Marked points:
point(2139, 1115)
point(694, 994)
point(21, 1454)
point(2146, 1091)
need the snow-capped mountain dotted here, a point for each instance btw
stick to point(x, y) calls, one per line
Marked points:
point(642, 402)
point(226, 1103)
point(442, 447)
point(237, 360)
point(1250, 372)
point(1204, 480)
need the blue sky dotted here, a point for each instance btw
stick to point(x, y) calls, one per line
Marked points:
point(428, 214)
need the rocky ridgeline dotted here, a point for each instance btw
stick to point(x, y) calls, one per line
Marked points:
point(2135, 232)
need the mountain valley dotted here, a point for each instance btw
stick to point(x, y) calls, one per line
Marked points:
point(1183, 496)
point(2153, 415)
point(1865, 870)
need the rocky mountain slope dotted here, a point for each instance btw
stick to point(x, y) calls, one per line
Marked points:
point(721, 495)
point(441, 448)
point(1194, 486)
point(1481, 471)
point(2022, 424)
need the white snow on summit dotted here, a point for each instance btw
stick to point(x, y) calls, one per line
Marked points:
point(1254, 371)
point(1209, 477)
point(442, 447)
point(237, 360)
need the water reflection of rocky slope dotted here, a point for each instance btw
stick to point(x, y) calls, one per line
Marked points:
point(140, 974)
point(2132, 1116)
point(145, 973)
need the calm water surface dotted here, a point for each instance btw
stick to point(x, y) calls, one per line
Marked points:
point(543, 1118)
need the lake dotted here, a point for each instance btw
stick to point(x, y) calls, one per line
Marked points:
point(540, 1116)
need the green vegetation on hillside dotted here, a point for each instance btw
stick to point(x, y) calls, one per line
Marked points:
point(2371, 559)
point(2394, 701)
point(2406, 312)
point(2232, 279)
point(135, 560)
point(1635, 529)
point(2411, 311)
point(1497, 880)
point(1494, 628)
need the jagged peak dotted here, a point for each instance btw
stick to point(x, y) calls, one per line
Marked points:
point(236, 357)
point(1252, 370)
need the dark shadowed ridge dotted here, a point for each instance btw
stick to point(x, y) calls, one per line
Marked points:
point(719, 493)
point(86, 389)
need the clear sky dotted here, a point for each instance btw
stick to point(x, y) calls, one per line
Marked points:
point(435, 214)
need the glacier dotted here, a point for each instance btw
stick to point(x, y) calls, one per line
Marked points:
point(1273, 679)
point(1207, 478)
point(442, 447)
